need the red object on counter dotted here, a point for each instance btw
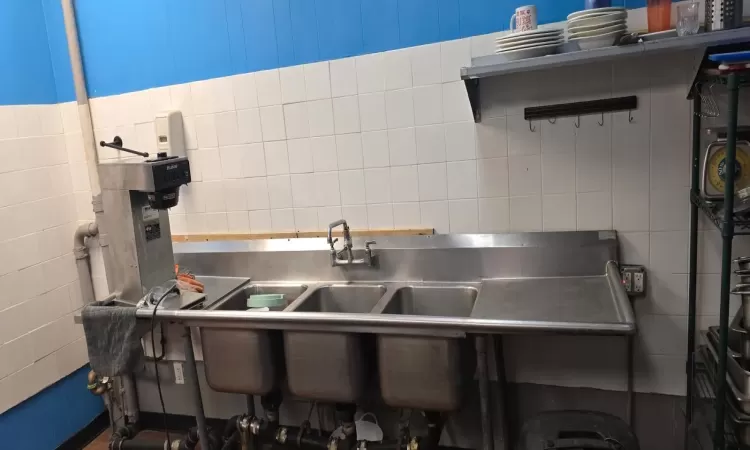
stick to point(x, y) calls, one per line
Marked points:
point(659, 15)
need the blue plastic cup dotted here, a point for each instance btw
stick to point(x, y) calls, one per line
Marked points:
point(593, 4)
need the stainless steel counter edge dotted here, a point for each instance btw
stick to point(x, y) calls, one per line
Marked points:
point(403, 324)
point(366, 323)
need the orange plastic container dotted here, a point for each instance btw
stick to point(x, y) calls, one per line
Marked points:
point(659, 15)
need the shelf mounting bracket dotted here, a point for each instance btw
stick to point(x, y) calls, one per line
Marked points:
point(472, 89)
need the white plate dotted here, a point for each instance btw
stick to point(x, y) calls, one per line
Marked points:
point(530, 52)
point(538, 41)
point(598, 31)
point(576, 28)
point(528, 35)
point(585, 12)
point(499, 49)
point(597, 19)
point(602, 40)
point(519, 47)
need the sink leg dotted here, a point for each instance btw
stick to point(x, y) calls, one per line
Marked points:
point(484, 393)
point(502, 391)
point(192, 378)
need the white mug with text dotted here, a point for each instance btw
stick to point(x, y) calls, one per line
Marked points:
point(524, 18)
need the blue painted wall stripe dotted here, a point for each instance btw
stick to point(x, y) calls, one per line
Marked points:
point(304, 31)
point(380, 29)
point(63, 409)
point(131, 45)
point(449, 19)
point(26, 74)
point(264, 34)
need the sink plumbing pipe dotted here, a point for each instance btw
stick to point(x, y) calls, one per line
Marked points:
point(306, 438)
point(125, 439)
point(83, 264)
point(309, 439)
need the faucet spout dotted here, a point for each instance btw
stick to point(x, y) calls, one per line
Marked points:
point(335, 224)
point(347, 252)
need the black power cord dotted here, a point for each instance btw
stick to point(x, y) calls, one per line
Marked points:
point(156, 361)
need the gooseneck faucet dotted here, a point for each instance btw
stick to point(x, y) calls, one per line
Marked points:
point(337, 256)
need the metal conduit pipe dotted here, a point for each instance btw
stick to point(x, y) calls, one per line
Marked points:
point(83, 264)
point(82, 96)
point(87, 125)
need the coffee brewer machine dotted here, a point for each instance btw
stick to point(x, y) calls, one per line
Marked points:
point(136, 194)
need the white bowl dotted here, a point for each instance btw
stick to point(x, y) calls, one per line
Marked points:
point(533, 52)
point(597, 19)
point(602, 40)
point(504, 49)
point(537, 41)
point(574, 28)
point(587, 12)
point(533, 34)
point(598, 32)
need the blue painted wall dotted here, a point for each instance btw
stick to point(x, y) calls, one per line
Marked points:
point(137, 44)
point(48, 419)
point(25, 67)
point(130, 45)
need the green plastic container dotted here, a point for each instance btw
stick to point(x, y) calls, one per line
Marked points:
point(270, 301)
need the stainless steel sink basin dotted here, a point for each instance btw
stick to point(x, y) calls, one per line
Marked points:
point(425, 372)
point(341, 298)
point(324, 366)
point(446, 301)
point(244, 360)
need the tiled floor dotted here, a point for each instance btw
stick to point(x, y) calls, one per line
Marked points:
point(101, 442)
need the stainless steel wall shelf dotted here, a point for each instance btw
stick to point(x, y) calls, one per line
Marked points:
point(495, 65)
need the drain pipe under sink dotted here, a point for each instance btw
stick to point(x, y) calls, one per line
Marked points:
point(83, 264)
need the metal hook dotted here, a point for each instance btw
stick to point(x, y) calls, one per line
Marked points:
point(630, 116)
point(552, 121)
point(531, 127)
point(577, 123)
point(601, 124)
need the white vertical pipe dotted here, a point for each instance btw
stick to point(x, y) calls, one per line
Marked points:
point(82, 97)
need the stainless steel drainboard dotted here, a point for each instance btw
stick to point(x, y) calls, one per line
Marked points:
point(242, 360)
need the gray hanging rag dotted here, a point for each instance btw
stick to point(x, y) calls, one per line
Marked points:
point(113, 338)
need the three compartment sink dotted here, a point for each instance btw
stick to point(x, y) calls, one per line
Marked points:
point(327, 366)
point(425, 372)
point(245, 361)
point(422, 372)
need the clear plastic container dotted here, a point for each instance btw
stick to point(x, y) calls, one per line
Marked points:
point(659, 15)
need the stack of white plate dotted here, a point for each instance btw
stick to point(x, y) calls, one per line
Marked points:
point(529, 44)
point(595, 28)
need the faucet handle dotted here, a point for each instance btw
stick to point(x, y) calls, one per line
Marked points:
point(368, 244)
point(333, 241)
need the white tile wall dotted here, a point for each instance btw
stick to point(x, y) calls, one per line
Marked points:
point(387, 140)
point(44, 191)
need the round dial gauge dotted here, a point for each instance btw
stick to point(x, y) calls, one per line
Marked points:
point(717, 168)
